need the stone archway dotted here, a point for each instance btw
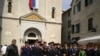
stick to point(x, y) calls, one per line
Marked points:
point(32, 34)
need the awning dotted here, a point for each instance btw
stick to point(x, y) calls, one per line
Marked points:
point(90, 39)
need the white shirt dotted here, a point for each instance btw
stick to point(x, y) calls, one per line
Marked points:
point(3, 49)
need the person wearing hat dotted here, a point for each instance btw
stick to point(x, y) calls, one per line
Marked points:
point(65, 49)
point(12, 49)
point(50, 50)
point(74, 50)
point(90, 50)
point(26, 50)
point(37, 50)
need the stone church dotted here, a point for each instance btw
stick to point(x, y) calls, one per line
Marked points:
point(19, 21)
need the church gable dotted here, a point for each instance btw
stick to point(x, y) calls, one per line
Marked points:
point(33, 16)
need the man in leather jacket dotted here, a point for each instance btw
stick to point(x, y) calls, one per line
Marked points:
point(12, 49)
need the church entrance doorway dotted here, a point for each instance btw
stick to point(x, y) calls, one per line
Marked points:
point(31, 41)
point(32, 34)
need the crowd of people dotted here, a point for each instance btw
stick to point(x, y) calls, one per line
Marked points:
point(39, 48)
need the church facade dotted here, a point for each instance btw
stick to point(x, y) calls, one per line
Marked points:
point(24, 23)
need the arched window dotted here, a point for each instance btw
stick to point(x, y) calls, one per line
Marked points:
point(31, 35)
point(9, 6)
point(53, 12)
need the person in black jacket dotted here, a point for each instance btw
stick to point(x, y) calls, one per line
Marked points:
point(66, 50)
point(59, 50)
point(74, 50)
point(12, 49)
point(45, 48)
point(90, 50)
point(50, 50)
point(37, 49)
point(99, 52)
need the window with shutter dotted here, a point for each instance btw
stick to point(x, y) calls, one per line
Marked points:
point(79, 7)
point(88, 2)
point(78, 28)
point(72, 29)
point(90, 24)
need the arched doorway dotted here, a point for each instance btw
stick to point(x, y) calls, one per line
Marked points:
point(32, 34)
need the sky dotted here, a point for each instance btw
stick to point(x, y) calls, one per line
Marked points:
point(66, 4)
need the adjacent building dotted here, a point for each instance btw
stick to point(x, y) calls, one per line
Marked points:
point(66, 26)
point(85, 17)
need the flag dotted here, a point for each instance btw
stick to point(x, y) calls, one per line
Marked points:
point(33, 4)
point(30, 4)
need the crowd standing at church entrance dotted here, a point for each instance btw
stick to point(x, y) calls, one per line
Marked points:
point(39, 48)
